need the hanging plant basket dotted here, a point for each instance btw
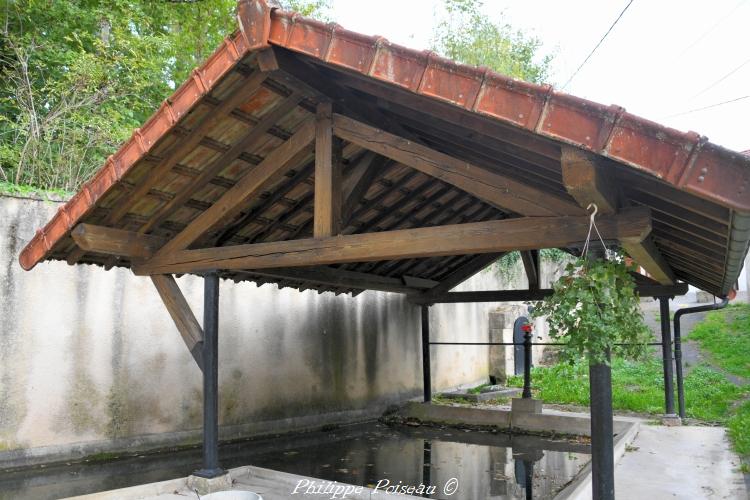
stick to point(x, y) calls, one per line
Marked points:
point(595, 310)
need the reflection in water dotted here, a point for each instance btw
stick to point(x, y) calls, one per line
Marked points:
point(485, 465)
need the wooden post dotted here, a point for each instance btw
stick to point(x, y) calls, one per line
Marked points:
point(327, 206)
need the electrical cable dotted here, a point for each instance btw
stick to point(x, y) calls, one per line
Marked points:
point(597, 45)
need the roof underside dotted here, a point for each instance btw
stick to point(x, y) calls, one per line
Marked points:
point(232, 118)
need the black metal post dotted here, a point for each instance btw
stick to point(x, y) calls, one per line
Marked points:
point(528, 468)
point(426, 384)
point(427, 465)
point(526, 365)
point(666, 353)
point(602, 442)
point(211, 466)
point(678, 347)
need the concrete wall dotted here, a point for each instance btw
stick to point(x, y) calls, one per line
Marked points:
point(90, 360)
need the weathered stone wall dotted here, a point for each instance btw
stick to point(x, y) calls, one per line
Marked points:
point(90, 360)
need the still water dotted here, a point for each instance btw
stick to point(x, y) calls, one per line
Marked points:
point(473, 465)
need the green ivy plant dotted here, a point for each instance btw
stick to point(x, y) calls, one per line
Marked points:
point(594, 310)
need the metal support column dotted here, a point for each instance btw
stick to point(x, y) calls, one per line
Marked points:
point(666, 352)
point(211, 466)
point(602, 441)
point(526, 364)
point(427, 383)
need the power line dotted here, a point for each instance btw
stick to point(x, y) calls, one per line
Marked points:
point(708, 107)
point(597, 45)
point(709, 30)
point(735, 70)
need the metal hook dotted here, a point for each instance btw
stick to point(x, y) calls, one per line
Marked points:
point(593, 214)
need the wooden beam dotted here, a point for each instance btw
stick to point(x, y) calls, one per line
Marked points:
point(531, 265)
point(527, 295)
point(106, 240)
point(342, 278)
point(272, 168)
point(498, 190)
point(588, 183)
point(649, 258)
point(495, 236)
point(359, 181)
point(182, 315)
point(327, 203)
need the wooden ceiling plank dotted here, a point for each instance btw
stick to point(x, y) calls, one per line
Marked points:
point(498, 190)
point(249, 142)
point(275, 165)
point(495, 236)
point(181, 148)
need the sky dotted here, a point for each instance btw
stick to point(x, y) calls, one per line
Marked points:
point(663, 60)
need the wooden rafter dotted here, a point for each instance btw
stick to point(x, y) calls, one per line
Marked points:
point(247, 143)
point(588, 183)
point(500, 191)
point(481, 237)
point(110, 241)
point(273, 167)
point(359, 181)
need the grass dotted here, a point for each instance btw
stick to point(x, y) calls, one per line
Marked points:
point(725, 336)
point(739, 429)
point(638, 386)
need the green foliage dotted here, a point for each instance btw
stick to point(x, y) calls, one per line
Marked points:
point(467, 35)
point(725, 335)
point(637, 386)
point(594, 309)
point(77, 76)
point(506, 266)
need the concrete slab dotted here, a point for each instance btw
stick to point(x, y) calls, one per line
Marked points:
point(679, 462)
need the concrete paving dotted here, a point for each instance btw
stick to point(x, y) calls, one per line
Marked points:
point(679, 462)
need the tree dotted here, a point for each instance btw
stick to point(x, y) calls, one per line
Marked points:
point(77, 76)
point(467, 35)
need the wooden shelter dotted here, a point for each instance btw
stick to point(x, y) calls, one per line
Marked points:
point(312, 157)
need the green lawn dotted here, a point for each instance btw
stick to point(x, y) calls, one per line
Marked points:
point(725, 335)
point(639, 387)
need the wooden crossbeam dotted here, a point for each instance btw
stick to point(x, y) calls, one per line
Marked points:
point(272, 168)
point(588, 183)
point(182, 315)
point(539, 294)
point(526, 233)
point(109, 241)
point(498, 190)
point(342, 278)
point(327, 203)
